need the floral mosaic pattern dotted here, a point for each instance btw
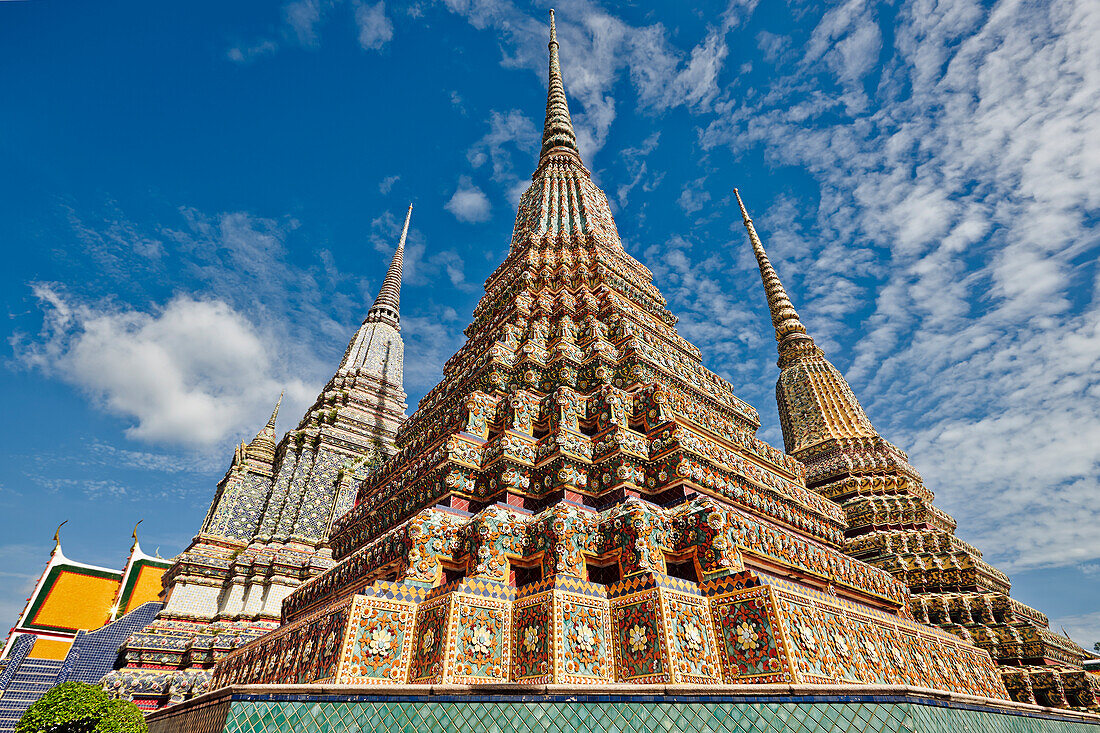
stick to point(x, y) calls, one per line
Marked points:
point(431, 642)
point(482, 638)
point(833, 641)
point(376, 649)
point(584, 632)
point(639, 650)
point(308, 651)
point(750, 649)
point(694, 657)
point(531, 660)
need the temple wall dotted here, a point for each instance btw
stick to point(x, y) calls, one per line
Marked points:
point(745, 628)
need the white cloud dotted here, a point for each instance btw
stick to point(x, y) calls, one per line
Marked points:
point(693, 197)
point(375, 29)
point(386, 185)
point(192, 372)
point(469, 203)
point(596, 47)
point(206, 365)
point(302, 17)
point(1083, 628)
point(971, 183)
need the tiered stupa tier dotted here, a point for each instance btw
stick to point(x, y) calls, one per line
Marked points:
point(893, 525)
point(581, 501)
point(267, 527)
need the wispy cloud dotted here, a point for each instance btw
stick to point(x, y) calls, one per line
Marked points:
point(375, 29)
point(422, 264)
point(961, 162)
point(469, 203)
point(509, 133)
point(19, 568)
point(638, 168)
point(386, 184)
point(1082, 628)
point(694, 196)
point(302, 22)
point(206, 363)
point(598, 47)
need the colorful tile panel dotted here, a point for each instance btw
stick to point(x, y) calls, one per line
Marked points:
point(375, 648)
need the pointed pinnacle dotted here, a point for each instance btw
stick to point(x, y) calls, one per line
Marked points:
point(275, 412)
point(387, 305)
point(557, 132)
point(789, 331)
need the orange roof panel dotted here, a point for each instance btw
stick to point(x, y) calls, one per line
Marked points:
point(147, 587)
point(74, 598)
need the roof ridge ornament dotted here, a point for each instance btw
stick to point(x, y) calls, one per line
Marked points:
point(57, 535)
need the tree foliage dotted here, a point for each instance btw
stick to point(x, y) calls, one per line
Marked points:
point(74, 707)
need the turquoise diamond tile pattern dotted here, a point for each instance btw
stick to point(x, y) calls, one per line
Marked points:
point(607, 716)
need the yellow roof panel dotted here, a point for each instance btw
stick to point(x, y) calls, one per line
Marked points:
point(50, 648)
point(74, 598)
point(147, 587)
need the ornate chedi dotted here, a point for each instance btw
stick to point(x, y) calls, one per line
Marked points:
point(893, 525)
point(581, 502)
point(271, 516)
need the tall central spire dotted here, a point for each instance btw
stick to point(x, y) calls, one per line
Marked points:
point(386, 306)
point(557, 132)
point(790, 334)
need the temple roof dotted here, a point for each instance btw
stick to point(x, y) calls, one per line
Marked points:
point(71, 595)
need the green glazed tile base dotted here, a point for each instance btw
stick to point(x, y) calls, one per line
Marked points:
point(602, 713)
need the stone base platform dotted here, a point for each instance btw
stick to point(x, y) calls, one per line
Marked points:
point(606, 709)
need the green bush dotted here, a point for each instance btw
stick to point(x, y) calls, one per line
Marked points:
point(74, 707)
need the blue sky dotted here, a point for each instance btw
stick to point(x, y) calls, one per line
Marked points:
point(198, 201)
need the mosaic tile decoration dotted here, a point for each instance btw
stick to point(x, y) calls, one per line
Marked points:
point(95, 652)
point(577, 437)
point(608, 713)
point(270, 513)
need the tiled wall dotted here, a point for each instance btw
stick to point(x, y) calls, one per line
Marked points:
point(623, 715)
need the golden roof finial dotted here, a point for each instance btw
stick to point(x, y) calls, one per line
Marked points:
point(557, 131)
point(57, 534)
point(790, 334)
point(134, 535)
